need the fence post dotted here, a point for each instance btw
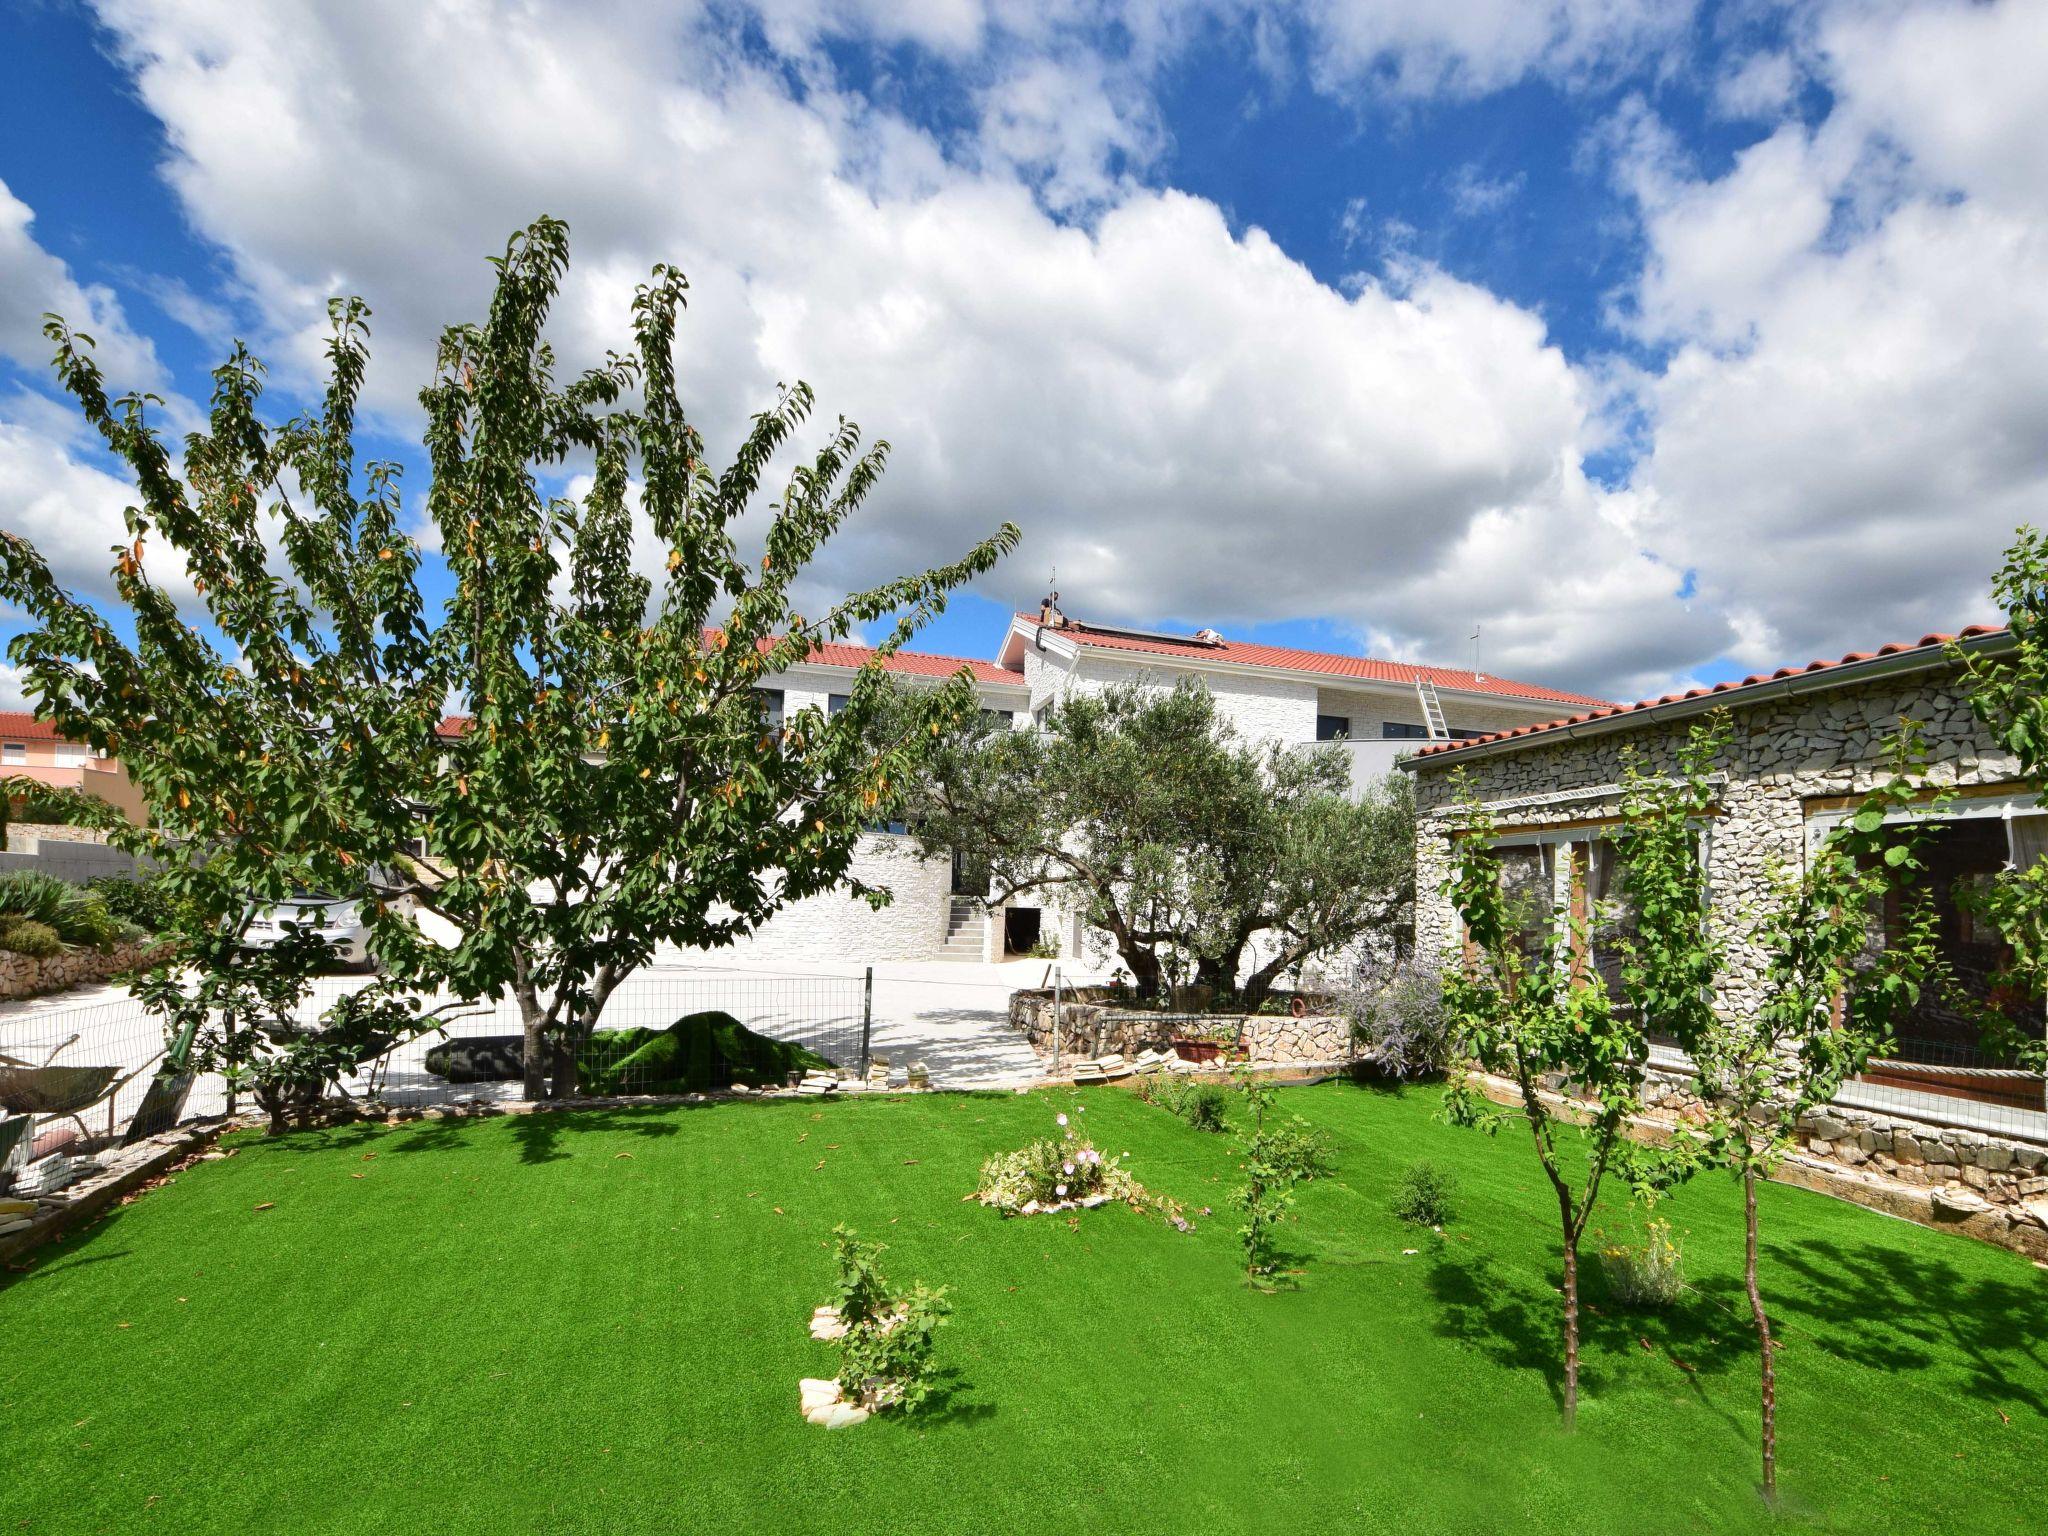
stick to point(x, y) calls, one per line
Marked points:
point(1057, 976)
point(229, 1016)
point(867, 1020)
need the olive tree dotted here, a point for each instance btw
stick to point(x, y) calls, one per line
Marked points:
point(1182, 843)
point(613, 783)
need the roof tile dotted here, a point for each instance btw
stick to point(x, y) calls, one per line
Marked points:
point(1755, 679)
point(1362, 668)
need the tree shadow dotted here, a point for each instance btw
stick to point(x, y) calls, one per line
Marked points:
point(1895, 1310)
point(1520, 1325)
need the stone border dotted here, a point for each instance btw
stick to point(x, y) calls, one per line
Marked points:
point(123, 1171)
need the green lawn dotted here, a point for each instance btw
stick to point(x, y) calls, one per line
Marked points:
point(596, 1322)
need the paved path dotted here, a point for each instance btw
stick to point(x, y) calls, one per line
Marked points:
point(950, 1015)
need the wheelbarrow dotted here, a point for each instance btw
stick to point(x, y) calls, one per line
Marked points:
point(50, 1089)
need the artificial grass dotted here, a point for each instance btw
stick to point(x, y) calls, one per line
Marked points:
point(596, 1322)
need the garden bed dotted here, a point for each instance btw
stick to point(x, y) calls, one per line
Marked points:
point(1097, 1022)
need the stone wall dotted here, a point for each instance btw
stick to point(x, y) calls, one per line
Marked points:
point(22, 836)
point(21, 976)
point(1092, 1023)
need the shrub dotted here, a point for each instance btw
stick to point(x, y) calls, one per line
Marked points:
point(1649, 1273)
point(1298, 1150)
point(76, 916)
point(886, 1350)
point(142, 903)
point(1425, 1195)
point(1200, 1104)
point(1399, 1026)
point(26, 936)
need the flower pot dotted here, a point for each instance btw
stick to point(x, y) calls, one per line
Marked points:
point(1197, 1050)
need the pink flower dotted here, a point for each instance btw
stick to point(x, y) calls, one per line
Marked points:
point(1066, 1168)
point(1060, 1190)
point(1062, 1119)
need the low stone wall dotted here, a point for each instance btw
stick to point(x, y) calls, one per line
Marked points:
point(1092, 1024)
point(22, 836)
point(21, 976)
point(1987, 1186)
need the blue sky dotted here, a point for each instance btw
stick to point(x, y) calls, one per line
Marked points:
point(1661, 343)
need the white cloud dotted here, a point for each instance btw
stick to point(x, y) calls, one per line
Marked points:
point(14, 687)
point(1474, 194)
point(70, 510)
point(1182, 418)
point(1855, 414)
point(1759, 86)
point(34, 283)
point(1426, 48)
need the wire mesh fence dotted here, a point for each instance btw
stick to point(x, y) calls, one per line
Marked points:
point(90, 1066)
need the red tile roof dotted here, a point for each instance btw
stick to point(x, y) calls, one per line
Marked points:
point(913, 663)
point(1282, 658)
point(1754, 680)
point(20, 725)
point(909, 663)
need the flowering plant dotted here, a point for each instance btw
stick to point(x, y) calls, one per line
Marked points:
point(1065, 1173)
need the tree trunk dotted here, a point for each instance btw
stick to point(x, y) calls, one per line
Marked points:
point(533, 1030)
point(1763, 1336)
point(1571, 1312)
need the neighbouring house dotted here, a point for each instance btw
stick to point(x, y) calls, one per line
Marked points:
point(31, 749)
point(1381, 710)
point(1964, 1129)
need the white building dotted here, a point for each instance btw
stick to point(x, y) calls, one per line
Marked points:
point(1380, 710)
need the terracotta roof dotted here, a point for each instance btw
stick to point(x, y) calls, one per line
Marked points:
point(20, 725)
point(1754, 680)
point(912, 663)
point(1283, 658)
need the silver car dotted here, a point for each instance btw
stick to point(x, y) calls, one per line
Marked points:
point(337, 919)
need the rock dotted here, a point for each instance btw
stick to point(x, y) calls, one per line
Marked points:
point(1828, 1128)
point(814, 1390)
point(1906, 1148)
point(843, 1416)
point(1994, 1158)
point(1955, 1204)
point(13, 1224)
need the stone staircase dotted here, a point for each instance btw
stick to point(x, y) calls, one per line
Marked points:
point(963, 930)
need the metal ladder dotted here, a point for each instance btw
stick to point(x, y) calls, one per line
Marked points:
point(1432, 710)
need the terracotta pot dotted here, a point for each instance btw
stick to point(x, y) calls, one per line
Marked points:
point(1197, 1050)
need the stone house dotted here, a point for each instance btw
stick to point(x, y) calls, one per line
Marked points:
point(1942, 1127)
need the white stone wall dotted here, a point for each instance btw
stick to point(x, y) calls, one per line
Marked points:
point(839, 928)
point(1261, 708)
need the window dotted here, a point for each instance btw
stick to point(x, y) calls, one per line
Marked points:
point(71, 755)
point(769, 700)
point(1003, 717)
point(1333, 728)
point(14, 752)
point(835, 702)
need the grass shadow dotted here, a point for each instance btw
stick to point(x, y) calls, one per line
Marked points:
point(948, 1403)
